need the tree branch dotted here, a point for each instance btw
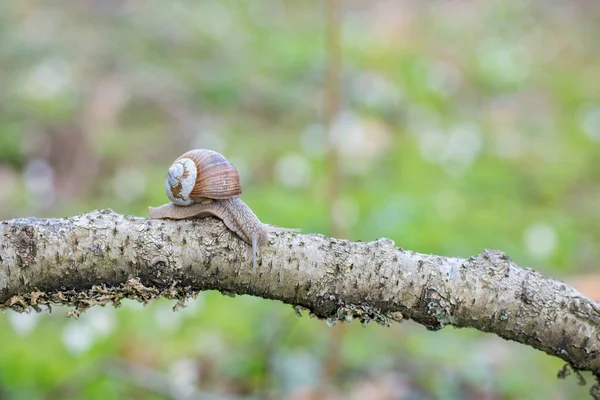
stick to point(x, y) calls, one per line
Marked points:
point(102, 257)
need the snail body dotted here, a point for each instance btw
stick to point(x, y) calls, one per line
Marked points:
point(204, 183)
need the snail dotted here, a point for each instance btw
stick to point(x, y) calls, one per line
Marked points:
point(203, 183)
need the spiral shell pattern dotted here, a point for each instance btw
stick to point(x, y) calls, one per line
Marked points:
point(199, 175)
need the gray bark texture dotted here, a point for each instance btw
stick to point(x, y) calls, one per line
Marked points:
point(101, 257)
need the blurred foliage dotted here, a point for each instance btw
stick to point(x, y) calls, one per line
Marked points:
point(465, 125)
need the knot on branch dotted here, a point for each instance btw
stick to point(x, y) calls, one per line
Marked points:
point(496, 262)
point(23, 240)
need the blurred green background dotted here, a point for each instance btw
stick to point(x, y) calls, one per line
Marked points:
point(464, 125)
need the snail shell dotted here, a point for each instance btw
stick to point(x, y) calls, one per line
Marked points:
point(199, 175)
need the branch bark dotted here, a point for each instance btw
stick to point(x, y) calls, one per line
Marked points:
point(102, 257)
